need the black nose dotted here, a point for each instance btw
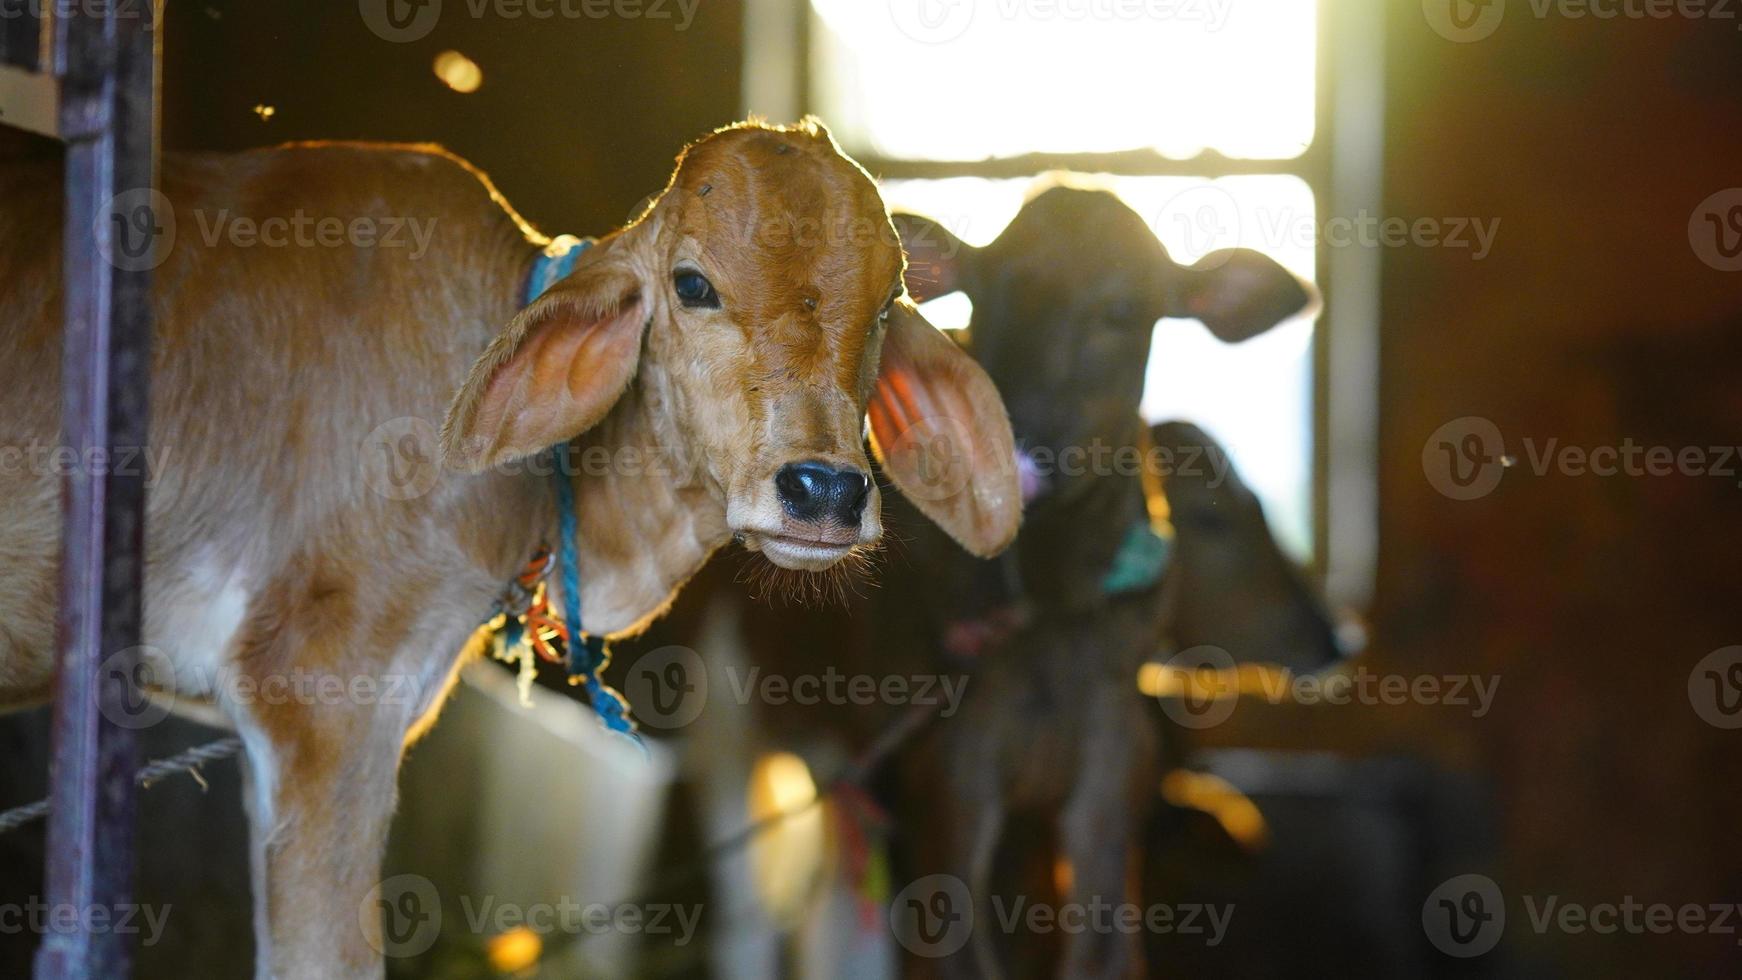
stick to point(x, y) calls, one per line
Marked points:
point(816, 492)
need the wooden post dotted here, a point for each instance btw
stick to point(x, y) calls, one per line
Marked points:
point(105, 56)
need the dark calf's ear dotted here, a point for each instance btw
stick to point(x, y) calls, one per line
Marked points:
point(938, 263)
point(1238, 293)
point(941, 434)
point(554, 372)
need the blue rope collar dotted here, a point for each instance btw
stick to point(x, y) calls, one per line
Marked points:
point(586, 653)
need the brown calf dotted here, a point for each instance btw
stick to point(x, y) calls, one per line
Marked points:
point(720, 352)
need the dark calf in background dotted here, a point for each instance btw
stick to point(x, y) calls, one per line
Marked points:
point(1053, 730)
point(1229, 585)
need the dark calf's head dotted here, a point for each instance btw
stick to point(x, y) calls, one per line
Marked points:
point(1065, 304)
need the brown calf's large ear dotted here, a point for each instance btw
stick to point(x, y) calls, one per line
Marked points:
point(1238, 293)
point(554, 373)
point(938, 263)
point(941, 433)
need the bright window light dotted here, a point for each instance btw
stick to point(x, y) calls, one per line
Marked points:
point(1256, 397)
point(972, 79)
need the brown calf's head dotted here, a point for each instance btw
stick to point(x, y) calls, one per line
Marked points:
point(758, 306)
point(1066, 301)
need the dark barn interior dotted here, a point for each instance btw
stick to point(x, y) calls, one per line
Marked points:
point(1577, 752)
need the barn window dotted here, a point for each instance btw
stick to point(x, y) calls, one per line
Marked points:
point(1222, 124)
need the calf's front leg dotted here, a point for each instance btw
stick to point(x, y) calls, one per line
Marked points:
point(321, 784)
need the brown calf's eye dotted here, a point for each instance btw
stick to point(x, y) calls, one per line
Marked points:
point(695, 291)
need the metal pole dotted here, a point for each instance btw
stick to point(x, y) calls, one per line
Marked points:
point(105, 57)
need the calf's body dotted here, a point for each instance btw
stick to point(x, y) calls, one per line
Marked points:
point(268, 555)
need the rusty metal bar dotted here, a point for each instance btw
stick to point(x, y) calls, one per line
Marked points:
point(21, 33)
point(105, 55)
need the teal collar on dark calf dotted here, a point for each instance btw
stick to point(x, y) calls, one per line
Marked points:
point(555, 262)
point(1140, 563)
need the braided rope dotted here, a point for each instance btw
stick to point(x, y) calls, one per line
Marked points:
point(588, 657)
point(149, 773)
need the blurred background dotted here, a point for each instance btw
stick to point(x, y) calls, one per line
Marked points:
point(1525, 220)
